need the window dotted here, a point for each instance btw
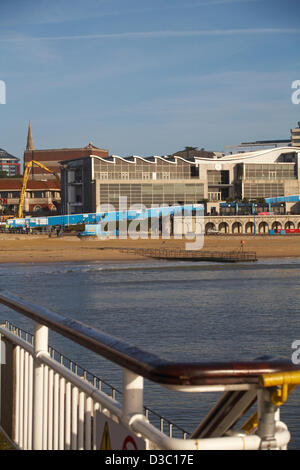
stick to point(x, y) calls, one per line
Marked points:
point(78, 175)
point(270, 171)
point(194, 171)
point(213, 197)
point(213, 177)
point(224, 177)
point(253, 190)
point(38, 194)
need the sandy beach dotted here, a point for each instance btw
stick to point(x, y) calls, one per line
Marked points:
point(42, 249)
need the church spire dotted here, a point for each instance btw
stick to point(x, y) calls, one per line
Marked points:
point(30, 145)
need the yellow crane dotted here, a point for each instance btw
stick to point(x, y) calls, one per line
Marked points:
point(25, 180)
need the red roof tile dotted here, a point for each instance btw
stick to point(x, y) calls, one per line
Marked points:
point(15, 184)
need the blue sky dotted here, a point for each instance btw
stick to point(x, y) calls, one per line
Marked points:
point(147, 77)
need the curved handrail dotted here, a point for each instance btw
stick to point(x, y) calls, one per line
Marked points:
point(144, 363)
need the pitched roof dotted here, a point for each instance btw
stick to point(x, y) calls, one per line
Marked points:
point(4, 154)
point(15, 184)
point(90, 146)
point(191, 152)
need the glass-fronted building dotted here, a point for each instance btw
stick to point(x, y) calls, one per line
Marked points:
point(9, 164)
point(93, 181)
point(90, 182)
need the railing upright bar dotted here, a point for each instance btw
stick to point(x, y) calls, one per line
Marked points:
point(88, 423)
point(62, 386)
point(17, 377)
point(74, 425)
point(40, 345)
point(81, 421)
point(30, 403)
point(96, 408)
point(25, 410)
point(50, 410)
point(21, 400)
point(162, 425)
point(68, 416)
point(266, 417)
point(133, 394)
point(45, 407)
point(56, 412)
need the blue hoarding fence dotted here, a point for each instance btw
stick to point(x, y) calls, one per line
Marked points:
point(96, 218)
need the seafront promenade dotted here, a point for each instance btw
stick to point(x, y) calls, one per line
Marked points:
point(248, 224)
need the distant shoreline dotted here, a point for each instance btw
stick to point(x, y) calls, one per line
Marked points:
point(41, 249)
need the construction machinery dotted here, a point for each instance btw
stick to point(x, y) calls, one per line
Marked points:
point(25, 180)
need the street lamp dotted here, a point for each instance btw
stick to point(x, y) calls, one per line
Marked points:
point(254, 213)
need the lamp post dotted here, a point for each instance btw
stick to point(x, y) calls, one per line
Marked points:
point(254, 213)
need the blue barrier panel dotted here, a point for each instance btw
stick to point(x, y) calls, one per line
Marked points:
point(96, 218)
point(272, 200)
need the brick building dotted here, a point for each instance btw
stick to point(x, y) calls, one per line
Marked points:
point(41, 197)
point(51, 157)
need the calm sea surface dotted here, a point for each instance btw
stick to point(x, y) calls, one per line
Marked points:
point(189, 312)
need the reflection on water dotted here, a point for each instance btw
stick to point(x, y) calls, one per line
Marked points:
point(182, 311)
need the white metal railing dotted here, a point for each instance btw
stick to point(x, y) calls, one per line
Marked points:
point(62, 415)
point(68, 410)
point(55, 407)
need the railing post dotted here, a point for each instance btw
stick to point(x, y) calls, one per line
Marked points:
point(266, 419)
point(40, 345)
point(133, 395)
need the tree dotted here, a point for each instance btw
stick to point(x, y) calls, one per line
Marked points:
point(261, 200)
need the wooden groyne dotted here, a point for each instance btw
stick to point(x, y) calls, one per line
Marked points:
point(194, 255)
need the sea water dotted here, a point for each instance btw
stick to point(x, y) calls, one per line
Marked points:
point(177, 310)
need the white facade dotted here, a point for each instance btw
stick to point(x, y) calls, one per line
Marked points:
point(255, 174)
